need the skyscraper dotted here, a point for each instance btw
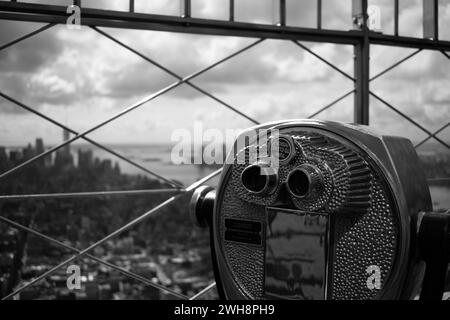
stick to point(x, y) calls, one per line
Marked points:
point(66, 148)
point(85, 159)
point(38, 149)
point(39, 146)
point(63, 156)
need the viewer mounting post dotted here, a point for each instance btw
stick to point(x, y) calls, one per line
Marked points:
point(361, 63)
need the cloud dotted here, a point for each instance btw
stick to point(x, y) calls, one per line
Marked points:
point(29, 55)
point(72, 73)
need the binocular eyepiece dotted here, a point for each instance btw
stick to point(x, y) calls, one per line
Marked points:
point(302, 182)
point(332, 211)
point(259, 179)
point(305, 181)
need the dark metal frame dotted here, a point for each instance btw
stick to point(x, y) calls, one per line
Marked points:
point(361, 38)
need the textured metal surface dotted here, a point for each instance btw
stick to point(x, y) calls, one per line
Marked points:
point(364, 228)
point(246, 262)
point(362, 241)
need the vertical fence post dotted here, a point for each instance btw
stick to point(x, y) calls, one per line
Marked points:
point(431, 19)
point(396, 14)
point(319, 14)
point(186, 8)
point(282, 12)
point(231, 10)
point(131, 5)
point(361, 63)
point(279, 12)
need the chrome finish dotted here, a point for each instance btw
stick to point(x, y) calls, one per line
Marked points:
point(305, 181)
point(259, 179)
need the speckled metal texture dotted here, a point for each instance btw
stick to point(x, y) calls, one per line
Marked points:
point(363, 240)
point(364, 226)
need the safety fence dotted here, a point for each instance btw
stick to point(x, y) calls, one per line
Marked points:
point(176, 190)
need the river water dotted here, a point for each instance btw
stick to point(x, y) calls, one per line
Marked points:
point(158, 159)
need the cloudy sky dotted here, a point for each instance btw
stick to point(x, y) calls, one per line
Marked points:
point(80, 77)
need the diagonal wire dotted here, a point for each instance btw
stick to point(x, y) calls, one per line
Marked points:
point(198, 183)
point(87, 194)
point(101, 261)
point(80, 135)
point(112, 235)
point(395, 64)
point(432, 135)
point(22, 105)
point(29, 35)
point(408, 118)
point(445, 54)
point(83, 252)
point(123, 112)
point(203, 291)
point(345, 74)
point(178, 76)
point(332, 104)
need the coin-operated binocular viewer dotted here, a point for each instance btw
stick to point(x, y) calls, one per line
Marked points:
point(323, 210)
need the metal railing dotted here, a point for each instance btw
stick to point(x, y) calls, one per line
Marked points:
point(175, 188)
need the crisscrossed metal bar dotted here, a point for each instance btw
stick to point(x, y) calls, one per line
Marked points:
point(345, 74)
point(203, 291)
point(28, 35)
point(208, 94)
point(445, 54)
point(98, 145)
point(112, 235)
point(67, 195)
point(82, 135)
point(101, 261)
point(175, 75)
point(193, 186)
point(334, 67)
point(125, 111)
point(432, 135)
point(217, 99)
point(409, 119)
point(331, 104)
point(22, 105)
point(395, 65)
